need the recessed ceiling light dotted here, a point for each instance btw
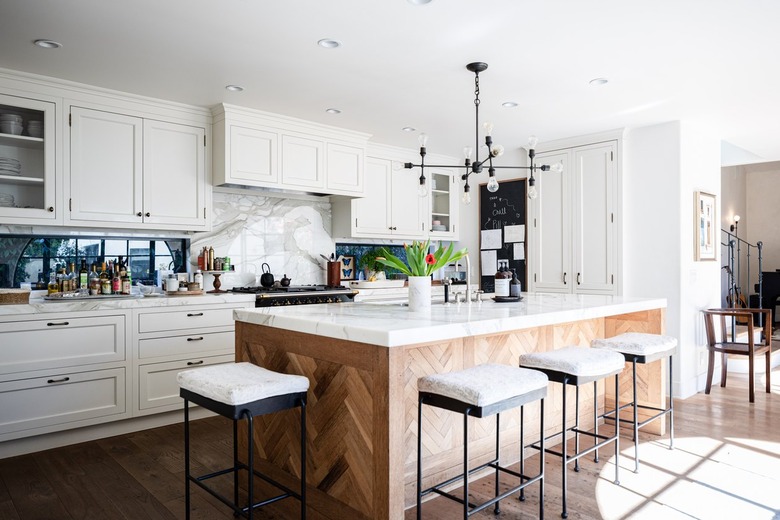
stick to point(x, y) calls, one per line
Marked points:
point(329, 43)
point(234, 88)
point(408, 129)
point(48, 44)
point(333, 111)
point(419, 2)
point(599, 81)
point(509, 104)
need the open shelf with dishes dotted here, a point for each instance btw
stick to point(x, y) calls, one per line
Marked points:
point(443, 205)
point(26, 159)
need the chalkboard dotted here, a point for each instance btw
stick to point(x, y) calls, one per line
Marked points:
point(502, 235)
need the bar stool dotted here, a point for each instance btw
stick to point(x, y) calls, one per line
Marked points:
point(577, 366)
point(640, 347)
point(482, 391)
point(236, 391)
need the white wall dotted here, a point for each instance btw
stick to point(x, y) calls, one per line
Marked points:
point(733, 186)
point(664, 165)
point(763, 210)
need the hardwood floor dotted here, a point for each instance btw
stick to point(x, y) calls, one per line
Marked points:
point(726, 464)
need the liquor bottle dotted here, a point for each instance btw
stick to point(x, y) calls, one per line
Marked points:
point(94, 281)
point(52, 287)
point(103, 273)
point(73, 277)
point(83, 275)
point(116, 281)
point(62, 280)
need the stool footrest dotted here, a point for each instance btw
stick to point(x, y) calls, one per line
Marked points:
point(458, 477)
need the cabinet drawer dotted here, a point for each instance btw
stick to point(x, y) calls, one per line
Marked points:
point(191, 344)
point(60, 399)
point(62, 342)
point(157, 384)
point(185, 319)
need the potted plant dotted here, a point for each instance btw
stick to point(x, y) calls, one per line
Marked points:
point(372, 269)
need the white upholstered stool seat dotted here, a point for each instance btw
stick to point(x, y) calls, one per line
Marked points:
point(576, 361)
point(647, 346)
point(483, 391)
point(240, 383)
point(485, 385)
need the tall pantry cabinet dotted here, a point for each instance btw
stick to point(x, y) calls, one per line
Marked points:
point(575, 220)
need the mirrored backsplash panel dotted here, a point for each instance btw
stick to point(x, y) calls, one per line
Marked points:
point(30, 258)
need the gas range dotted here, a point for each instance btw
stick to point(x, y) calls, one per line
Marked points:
point(297, 294)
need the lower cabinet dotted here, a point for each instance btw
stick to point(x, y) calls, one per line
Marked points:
point(157, 387)
point(61, 400)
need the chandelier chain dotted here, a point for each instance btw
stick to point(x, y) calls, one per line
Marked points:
point(476, 89)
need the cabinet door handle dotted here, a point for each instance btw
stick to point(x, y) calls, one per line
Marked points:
point(578, 278)
point(194, 314)
point(147, 214)
point(191, 363)
point(51, 209)
point(57, 324)
point(61, 380)
point(139, 214)
point(564, 278)
point(200, 338)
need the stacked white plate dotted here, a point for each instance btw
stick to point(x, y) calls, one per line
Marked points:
point(6, 200)
point(9, 166)
point(439, 228)
point(35, 128)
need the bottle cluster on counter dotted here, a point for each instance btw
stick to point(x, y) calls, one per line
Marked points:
point(113, 278)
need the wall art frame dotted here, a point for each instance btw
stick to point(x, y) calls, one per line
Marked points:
point(705, 237)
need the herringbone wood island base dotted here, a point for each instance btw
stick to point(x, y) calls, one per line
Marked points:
point(363, 405)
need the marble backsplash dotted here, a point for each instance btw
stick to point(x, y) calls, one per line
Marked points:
point(289, 234)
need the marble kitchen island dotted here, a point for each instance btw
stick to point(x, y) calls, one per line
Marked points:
point(363, 361)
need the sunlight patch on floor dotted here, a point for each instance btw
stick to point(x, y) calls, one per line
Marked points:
point(700, 478)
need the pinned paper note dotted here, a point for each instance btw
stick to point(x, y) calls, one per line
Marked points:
point(519, 251)
point(488, 263)
point(491, 239)
point(514, 233)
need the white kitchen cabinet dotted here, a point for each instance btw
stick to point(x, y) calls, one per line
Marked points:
point(443, 205)
point(303, 162)
point(61, 371)
point(264, 150)
point(575, 235)
point(172, 340)
point(129, 170)
point(391, 207)
point(34, 187)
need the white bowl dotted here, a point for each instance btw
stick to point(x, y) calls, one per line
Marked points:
point(10, 127)
point(35, 131)
point(10, 117)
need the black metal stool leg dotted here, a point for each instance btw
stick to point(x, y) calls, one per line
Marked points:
point(235, 464)
point(595, 419)
point(671, 407)
point(636, 420)
point(419, 457)
point(617, 428)
point(497, 508)
point(251, 463)
point(541, 461)
point(303, 459)
point(187, 457)
point(577, 426)
point(522, 450)
point(564, 513)
point(466, 464)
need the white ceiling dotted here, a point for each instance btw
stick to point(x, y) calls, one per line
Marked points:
point(713, 62)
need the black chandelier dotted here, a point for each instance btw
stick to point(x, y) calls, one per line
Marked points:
point(494, 150)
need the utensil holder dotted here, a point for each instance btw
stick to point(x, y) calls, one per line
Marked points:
point(334, 274)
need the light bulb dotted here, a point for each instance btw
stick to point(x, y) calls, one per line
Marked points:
point(397, 165)
point(532, 141)
point(466, 197)
point(422, 191)
point(497, 150)
point(467, 151)
point(532, 193)
point(423, 140)
point(487, 127)
point(492, 185)
point(557, 167)
point(736, 218)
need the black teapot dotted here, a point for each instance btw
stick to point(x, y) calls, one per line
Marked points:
point(266, 279)
point(285, 282)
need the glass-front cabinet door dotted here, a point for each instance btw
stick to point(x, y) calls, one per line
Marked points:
point(443, 222)
point(27, 161)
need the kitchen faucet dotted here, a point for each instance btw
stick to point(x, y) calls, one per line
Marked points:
point(468, 279)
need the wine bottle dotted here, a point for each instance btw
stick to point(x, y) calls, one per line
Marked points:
point(83, 275)
point(94, 281)
point(116, 281)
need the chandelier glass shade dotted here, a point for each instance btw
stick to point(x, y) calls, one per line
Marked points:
point(493, 150)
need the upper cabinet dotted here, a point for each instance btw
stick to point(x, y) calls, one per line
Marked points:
point(575, 221)
point(28, 161)
point(443, 205)
point(258, 149)
point(125, 170)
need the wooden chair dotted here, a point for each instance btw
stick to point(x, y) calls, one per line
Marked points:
point(725, 345)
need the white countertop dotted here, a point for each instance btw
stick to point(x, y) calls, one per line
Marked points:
point(393, 325)
point(40, 306)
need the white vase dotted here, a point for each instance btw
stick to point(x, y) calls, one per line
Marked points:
point(419, 293)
